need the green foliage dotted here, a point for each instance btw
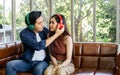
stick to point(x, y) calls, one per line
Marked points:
point(83, 17)
point(1, 14)
point(106, 21)
point(20, 15)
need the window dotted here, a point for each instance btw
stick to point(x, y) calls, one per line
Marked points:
point(22, 8)
point(87, 20)
point(63, 7)
point(43, 5)
point(5, 22)
point(105, 21)
point(83, 20)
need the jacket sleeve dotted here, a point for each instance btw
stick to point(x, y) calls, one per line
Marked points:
point(29, 40)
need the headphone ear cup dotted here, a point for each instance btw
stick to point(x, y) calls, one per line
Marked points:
point(31, 27)
point(61, 26)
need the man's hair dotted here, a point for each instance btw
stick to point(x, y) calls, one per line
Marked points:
point(32, 17)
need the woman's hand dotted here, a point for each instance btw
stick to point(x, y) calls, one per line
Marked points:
point(54, 70)
point(59, 66)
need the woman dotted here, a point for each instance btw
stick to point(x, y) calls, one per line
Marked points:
point(60, 49)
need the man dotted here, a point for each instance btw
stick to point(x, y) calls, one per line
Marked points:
point(35, 42)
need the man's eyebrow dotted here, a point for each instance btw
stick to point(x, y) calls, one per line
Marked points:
point(40, 21)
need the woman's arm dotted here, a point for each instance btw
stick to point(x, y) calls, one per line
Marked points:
point(29, 39)
point(69, 48)
point(53, 59)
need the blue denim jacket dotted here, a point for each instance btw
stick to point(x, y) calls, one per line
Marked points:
point(30, 44)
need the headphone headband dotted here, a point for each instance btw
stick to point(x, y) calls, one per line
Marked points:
point(31, 26)
point(61, 21)
point(27, 18)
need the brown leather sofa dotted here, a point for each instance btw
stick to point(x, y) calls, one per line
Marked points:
point(88, 58)
point(96, 59)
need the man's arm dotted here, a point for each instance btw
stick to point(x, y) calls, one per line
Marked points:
point(58, 32)
point(31, 42)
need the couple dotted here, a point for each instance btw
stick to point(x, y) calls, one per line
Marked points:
point(46, 52)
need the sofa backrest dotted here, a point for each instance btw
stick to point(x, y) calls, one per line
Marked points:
point(8, 51)
point(95, 55)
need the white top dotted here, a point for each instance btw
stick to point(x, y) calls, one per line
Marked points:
point(39, 55)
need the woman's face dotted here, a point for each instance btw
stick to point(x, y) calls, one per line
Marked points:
point(53, 24)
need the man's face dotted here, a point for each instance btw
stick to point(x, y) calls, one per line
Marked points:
point(39, 24)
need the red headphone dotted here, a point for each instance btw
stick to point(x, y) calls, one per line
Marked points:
point(61, 21)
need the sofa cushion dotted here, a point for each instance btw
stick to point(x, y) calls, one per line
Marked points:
point(3, 50)
point(89, 62)
point(107, 63)
point(105, 72)
point(84, 72)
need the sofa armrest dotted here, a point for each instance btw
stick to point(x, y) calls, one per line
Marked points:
point(118, 64)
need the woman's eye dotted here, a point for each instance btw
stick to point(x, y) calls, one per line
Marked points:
point(51, 22)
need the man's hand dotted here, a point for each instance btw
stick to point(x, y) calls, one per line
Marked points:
point(59, 31)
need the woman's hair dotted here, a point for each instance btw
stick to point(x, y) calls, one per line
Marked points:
point(57, 18)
